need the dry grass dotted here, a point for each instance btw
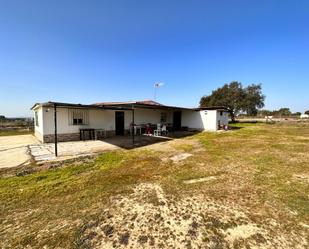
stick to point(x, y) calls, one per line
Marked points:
point(139, 198)
point(15, 132)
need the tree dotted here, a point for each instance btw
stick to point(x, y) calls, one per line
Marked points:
point(236, 98)
point(307, 112)
point(254, 99)
point(284, 112)
point(2, 117)
point(263, 113)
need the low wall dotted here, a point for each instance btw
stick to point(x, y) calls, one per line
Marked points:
point(69, 137)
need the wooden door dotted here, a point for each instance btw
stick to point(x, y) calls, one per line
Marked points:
point(177, 120)
point(119, 123)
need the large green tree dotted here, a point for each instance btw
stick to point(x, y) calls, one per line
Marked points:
point(236, 97)
point(254, 99)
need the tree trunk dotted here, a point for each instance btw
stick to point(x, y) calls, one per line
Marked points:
point(232, 116)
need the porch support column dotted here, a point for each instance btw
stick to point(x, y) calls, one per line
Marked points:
point(55, 125)
point(133, 131)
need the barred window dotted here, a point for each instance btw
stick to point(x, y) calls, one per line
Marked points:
point(78, 117)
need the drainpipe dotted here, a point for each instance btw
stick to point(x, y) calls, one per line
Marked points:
point(55, 124)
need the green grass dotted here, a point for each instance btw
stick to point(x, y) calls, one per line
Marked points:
point(184, 147)
point(62, 194)
point(254, 165)
point(14, 132)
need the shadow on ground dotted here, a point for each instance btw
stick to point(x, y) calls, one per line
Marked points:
point(126, 142)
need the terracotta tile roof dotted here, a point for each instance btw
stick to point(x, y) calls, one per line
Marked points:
point(143, 102)
point(127, 105)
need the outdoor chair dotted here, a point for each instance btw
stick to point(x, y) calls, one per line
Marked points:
point(157, 132)
point(164, 130)
point(136, 128)
point(148, 130)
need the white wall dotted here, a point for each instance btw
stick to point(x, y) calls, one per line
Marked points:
point(201, 120)
point(40, 119)
point(98, 119)
point(192, 119)
point(209, 118)
point(105, 119)
point(144, 116)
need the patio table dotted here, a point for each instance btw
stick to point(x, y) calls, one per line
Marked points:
point(83, 131)
point(99, 133)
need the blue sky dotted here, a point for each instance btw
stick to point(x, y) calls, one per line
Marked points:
point(90, 51)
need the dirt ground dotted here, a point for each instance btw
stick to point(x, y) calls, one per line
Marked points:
point(14, 150)
point(244, 188)
point(149, 218)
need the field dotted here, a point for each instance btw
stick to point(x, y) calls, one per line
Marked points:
point(14, 132)
point(245, 188)
point(12, 127)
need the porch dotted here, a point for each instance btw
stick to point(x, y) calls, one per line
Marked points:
point(68, 150)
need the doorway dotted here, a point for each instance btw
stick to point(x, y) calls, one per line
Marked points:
point(177, 120)
point(119, 123)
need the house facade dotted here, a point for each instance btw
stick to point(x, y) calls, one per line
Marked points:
point(117, 118)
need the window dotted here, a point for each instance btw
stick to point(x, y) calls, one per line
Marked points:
point(221, 113)
point(77, 121)
point(78, 117)
point(163, 117)
point(36, 118)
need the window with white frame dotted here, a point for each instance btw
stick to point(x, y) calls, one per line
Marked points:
point(78, 117)
point(36, 118)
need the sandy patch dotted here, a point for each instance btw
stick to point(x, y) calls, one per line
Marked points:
point(180, 157)
point(301, 177)
point(174, 145)
point(204, 179)
point(304, 225)
point(241, 232)
point(148, 218)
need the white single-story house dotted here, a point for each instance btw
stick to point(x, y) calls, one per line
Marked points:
point(117, 118)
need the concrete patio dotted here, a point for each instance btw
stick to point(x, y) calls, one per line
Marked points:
point(14, 150)
point(19, 150)
point(66, 150)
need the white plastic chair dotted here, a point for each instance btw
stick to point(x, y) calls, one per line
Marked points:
point(157, 132)
point(164, 130)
